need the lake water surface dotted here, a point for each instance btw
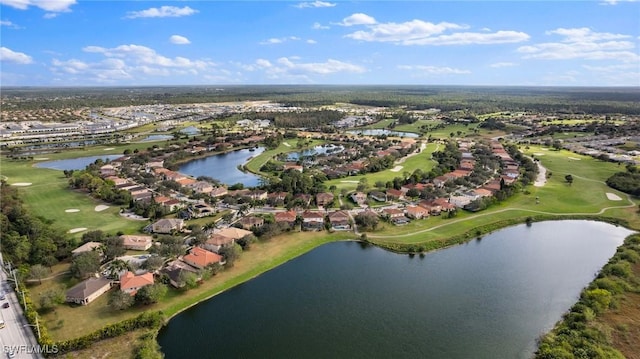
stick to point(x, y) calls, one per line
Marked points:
point(483, 299)
point(79, 163)
point(224, 167)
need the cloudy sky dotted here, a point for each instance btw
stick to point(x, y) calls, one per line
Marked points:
point(112, 43)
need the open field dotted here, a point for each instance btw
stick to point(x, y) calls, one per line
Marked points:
point(422, 161)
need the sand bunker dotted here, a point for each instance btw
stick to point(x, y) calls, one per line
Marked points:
point(72, 210)
point(100, 207)
point(613, 197)
point(76, 230)
point(286, 144)
point(396, 169)
point(539, 154)
point(41, 158)
point(573, 158)
point(109, 149)
point(21, 184)
point(350, 181)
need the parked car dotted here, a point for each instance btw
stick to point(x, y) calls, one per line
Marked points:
point(5, 305)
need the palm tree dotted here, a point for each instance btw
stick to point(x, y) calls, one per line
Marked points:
point(115, 267)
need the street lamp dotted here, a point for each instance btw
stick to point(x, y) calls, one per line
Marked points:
point(37, 326)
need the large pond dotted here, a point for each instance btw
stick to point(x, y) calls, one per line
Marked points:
point(484, 299)
point(383, 132)
point(317, 150)
point(79, 163)
point(224, 167)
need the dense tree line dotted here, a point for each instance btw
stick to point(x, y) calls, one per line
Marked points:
point(27, 239)
point(627, 182)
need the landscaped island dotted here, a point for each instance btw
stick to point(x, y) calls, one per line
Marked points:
point(161, 241)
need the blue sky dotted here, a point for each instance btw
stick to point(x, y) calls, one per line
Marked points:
point(139, 43)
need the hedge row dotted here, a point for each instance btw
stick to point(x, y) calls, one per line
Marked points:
point(151, 320)
point(579, 334)
point(31, 314)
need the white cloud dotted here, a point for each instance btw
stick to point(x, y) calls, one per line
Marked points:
point(179, 40)
point(319, 26)
point(279, 40)
point(9, 24)
point(434, 70)
point(357, 19)
point(311, 41)
point(50, 15)
point(418, 32)
point(503, 64)
point(614, 2)
point(163, 11)
point(329, 67)
point(131, 62)
point(47, 5)
point(9, 55)
point(314, 4)
point(583, 43)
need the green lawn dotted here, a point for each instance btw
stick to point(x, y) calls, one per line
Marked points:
point(49, 196)
point(422, 160)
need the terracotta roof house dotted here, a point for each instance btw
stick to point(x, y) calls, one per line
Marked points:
point(217, 241)
point(305, 198)
point(107, 170)
point(293, 165)
point(288, 217)
point(131, 283)
point(116, 180)
point(172, 204)
point(136, 243)
point(167, 225)
point(87, 247)
point(417, 212)
point(88, 290)
point(201, 258)
point(201, 187)
point(445, 204)
point(324, 198)
point(394, 194)
point(232, 232)
point(249, 222)
point(258, 195)
point(433, 208)
point(395, 215)
point(339, 220)
point(312, 220)
point(482, 192)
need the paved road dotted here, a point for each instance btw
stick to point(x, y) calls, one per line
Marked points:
point(15, 335)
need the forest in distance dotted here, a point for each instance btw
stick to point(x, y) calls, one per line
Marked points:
point(473, 99)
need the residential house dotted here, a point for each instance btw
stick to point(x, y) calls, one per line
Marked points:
point(201, 187)
point(174, 271)
point(131, 283)
point(304, 198)
point(482, 192)
point(218, 192)
point(339, 220)
point(88, 290)
point(417, 212)
point(433, 208)
point(294, 166)
point(250, 222)
point(378, 196)
point(167, 225)
point(216, 241)
point(359, 197)
point(233, 232)
point(258, 195)
point(201, 258)
point(288, 217)
point(445, 204)
point(394, 194)
point(116, 180)
point(312, 220)
point(324, 199)
point(136, 243)
point(87, 247)
point(395, 215)
point(107, 170)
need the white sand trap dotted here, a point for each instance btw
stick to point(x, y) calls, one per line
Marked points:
point(350, 181)
point(613, 197)
point(72, 210)
point(76, 230)
point(41, 158)
point(539, 154)
point(100, 208)
point(545, 149)
point(573, 158)
point(21, 184)
point(109, 149)
point(286, 144)
point(396, 169)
